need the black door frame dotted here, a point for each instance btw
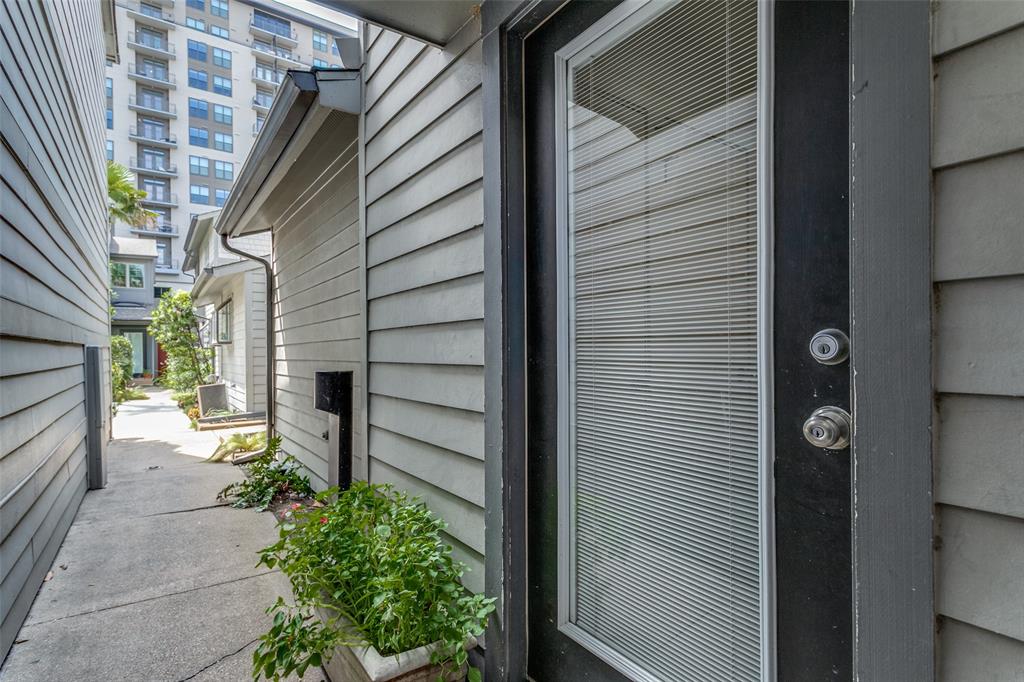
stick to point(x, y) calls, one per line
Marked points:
point(890, 232)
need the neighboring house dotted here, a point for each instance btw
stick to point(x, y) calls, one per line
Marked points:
point(54, 320)
point(132, 276)
point(574, 256)
point(186, 102)
point(230, 295)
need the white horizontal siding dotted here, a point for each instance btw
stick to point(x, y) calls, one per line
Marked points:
point(424, 279)
point(53, 280)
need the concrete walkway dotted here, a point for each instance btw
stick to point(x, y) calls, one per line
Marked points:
point(156, 580)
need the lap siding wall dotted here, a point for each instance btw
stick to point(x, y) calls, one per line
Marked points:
point(53, 280)
point(423, 165)
point(978, 162)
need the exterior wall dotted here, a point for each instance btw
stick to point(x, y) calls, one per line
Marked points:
point(978, 161)
point(241, 363)
point(244, 115)
point(135, 295)
point(423, 163)
point(318, 321)
point(54, 280)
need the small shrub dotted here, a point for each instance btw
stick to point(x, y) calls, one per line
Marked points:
point(134, 393)
point(120, 367)
point(239, 442)
point(269, 480)
point(185, 399)
point(376, 561)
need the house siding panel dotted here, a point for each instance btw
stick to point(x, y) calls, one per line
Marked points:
point(54, 280)
point(978, 136)
point(318, 323)
point(424, 259)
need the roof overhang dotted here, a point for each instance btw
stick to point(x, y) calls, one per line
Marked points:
point(432, 21)
point(302, 105)
point(210, 282)
point(197, 229)
point(110, 31)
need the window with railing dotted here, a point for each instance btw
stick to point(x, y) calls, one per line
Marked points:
point(224, 170)
point(223, 113)
point(272, 24)
point(263, 46)
point(199, 194)
point(198, 165)
point(151, 99)
point(163, 252)
point(222, 85)
point(197, 78)
point(222, 58)
point(266, 73)
point(153, 159)
point(263, 98)
point(153, 39)
point(152, 130)
point(156, 190)
point(153, 69)
point(320, 41)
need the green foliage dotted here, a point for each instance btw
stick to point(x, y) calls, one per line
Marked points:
point(120, 367)
point(269, 479)
point(239, 442)
point(185, 399)
point(375, 563)
point(124, 198)
point(175, 326)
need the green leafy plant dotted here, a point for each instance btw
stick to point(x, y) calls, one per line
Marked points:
point(120, 367)
point(185, 399)
point(175, 326)
point(369, 567)
point(268, 480)
point(238, 442)
point(124, 198)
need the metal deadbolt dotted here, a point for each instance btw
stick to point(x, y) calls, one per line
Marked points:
point(829, 427)
point(830, 346)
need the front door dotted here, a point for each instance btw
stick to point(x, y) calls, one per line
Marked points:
point(687, 238)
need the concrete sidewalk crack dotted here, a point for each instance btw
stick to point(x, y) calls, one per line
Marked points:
point(221, 660)
point(148, 599)
point(185, 511)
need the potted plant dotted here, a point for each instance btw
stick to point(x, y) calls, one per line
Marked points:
point(378, 595)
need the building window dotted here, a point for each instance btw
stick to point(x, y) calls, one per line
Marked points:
point(199, 137)
point(110, 150)
point(220, 196)
point(268, 22)
point(320, 41)
point(222, 85)
point(158, 292)
point(224, 315)
point(222, 57)
point(110, 119)
point(224, 142)
point(198, 108)
point(219, 8)
point(224, 170)
point(127, 276)
point(258, 125)
point(197, 24)
point(196, 4)
point(197, 50)
point(197, 78)
point(110, 87)
point(334, 48)
point(199, 194)
point(219, 31)
point(163, 251)
point(319, 63)
point(223, 114)
point(198, 165)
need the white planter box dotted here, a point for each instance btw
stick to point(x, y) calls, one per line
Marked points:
point(365, 664)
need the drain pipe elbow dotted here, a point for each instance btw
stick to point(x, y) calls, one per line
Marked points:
point(271, 347)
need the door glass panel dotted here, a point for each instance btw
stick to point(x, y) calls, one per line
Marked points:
point(135, 338)
point(661, 462)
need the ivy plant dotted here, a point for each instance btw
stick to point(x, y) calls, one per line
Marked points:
point(269, 480)
point(370, 566)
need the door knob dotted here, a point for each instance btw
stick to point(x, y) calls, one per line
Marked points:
point(828, 427)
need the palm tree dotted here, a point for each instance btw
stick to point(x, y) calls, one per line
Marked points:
point(124, 198)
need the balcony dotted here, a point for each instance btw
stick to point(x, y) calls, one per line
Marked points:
point(157, 138)
point(150, 16)
point(157, 230)
point(154, 166)
point(290, 59)
point(154, 47)
point(168, 267)
point(152, 106)
point(266, 77)
point(262, 104)
point(156, 77)
point(280, 33)
point(256, 127)
point(165, 199)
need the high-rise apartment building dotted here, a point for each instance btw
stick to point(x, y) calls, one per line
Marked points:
point(195, 82)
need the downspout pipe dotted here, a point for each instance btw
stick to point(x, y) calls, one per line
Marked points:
point(271, 346)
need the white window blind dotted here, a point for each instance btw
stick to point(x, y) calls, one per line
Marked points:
point(660, 459)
